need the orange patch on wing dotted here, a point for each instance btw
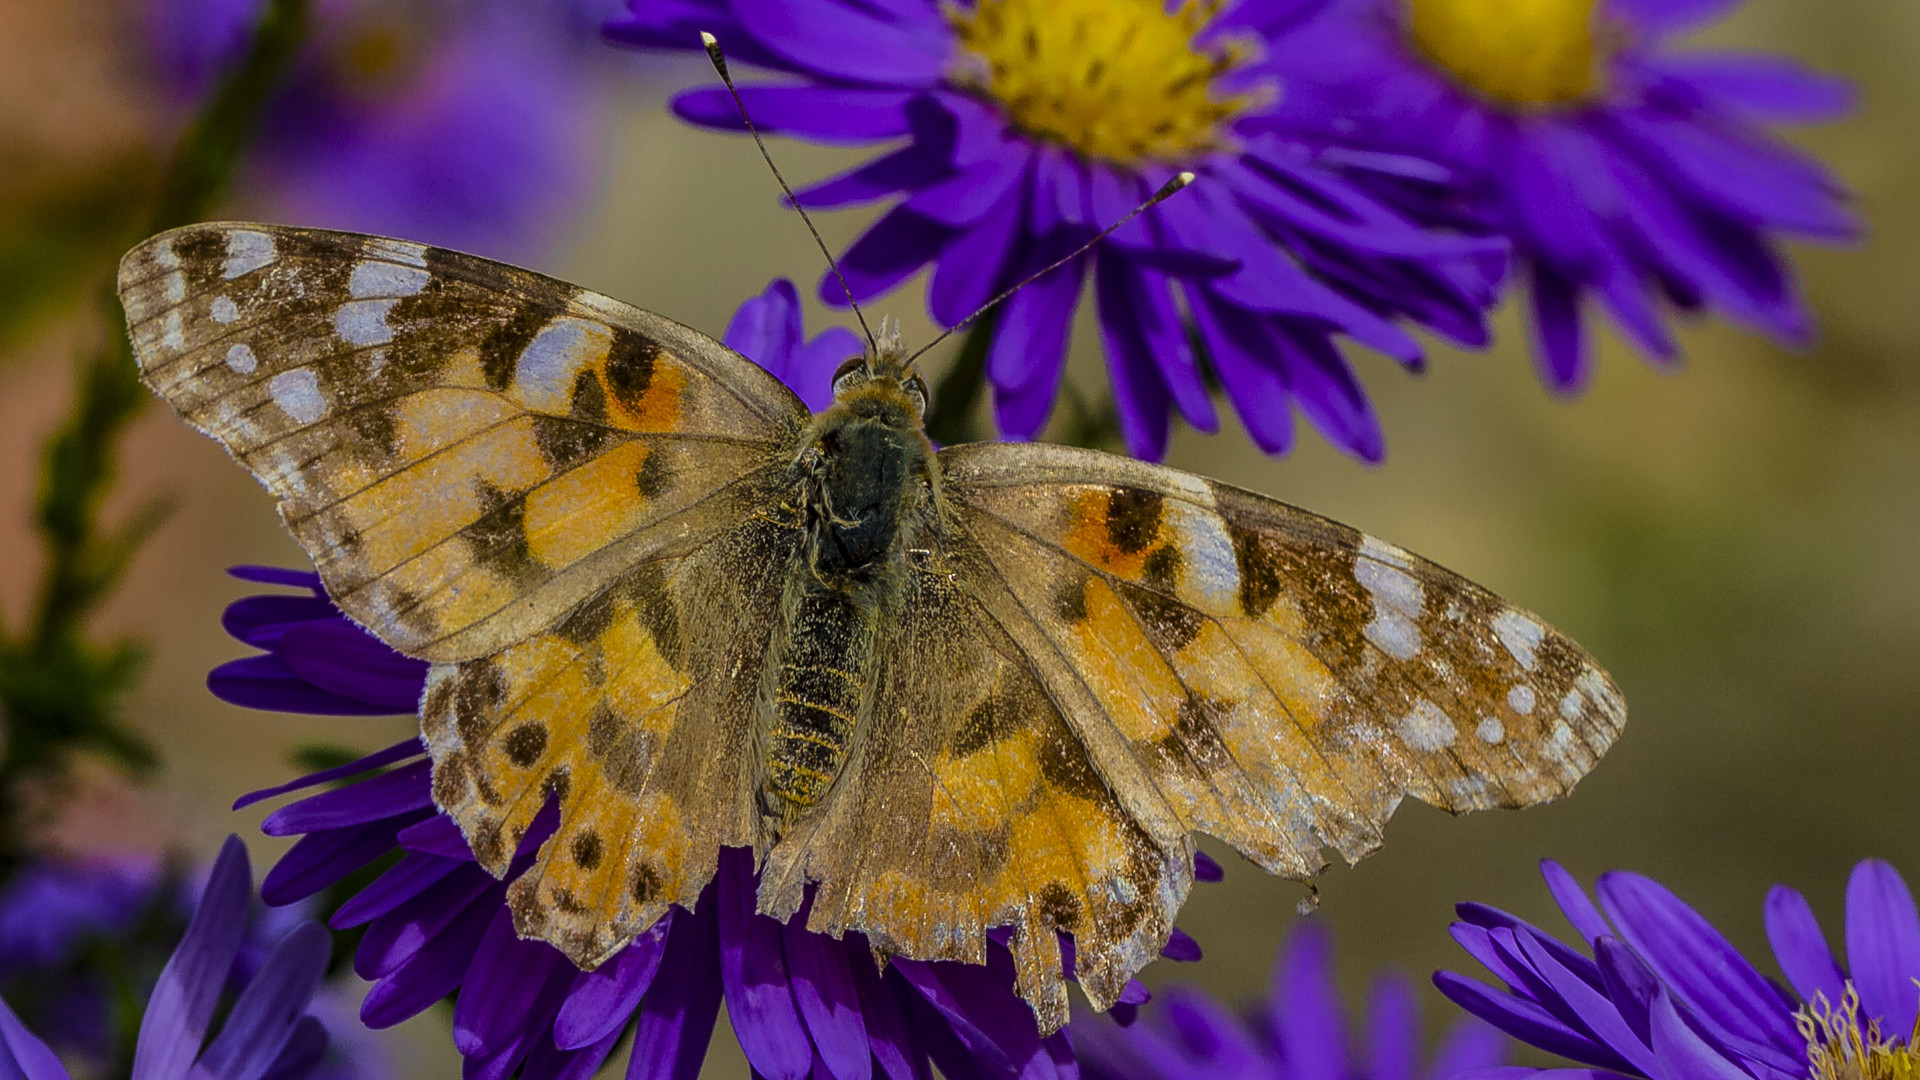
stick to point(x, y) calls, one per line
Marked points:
point(655, 409)
point(1088, 537)
point(974, 793)
point(1123, 669)
point(586, 508)
point(641, 685)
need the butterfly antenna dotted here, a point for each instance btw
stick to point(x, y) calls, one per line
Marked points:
point(720, 65)
point(1166, 192)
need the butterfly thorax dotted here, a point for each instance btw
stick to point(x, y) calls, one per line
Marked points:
point(866, 485)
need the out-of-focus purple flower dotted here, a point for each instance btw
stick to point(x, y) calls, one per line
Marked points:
point(1299, 1033)
point(468, 125)
point(52, 913)
point(1019, 128)
point(266, 1033)
point(801, 1004)
point(1661, 994)
point(1625, 170)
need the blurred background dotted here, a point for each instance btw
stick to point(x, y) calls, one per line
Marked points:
point(1737, 540)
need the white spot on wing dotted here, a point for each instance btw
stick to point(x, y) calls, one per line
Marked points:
point(1397, 602)
point(1570, 705)
point(385, 279)
point(1426, 728)
point(364, 322)
point(543, 379)
point(173, 332)
point(1491, 731)
point(1521, 636)
point(297, 392)
point(247, 251)
point(176, 286)
point(1210, 579)
point(241, 359)
point(1520, 699)
point(223, 309)
point(164, 257)
point(1559, 743)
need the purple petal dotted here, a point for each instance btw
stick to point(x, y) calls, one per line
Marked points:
point(1245, 357)
point(677, 1017)
point(906, 169)
point(22, 1054)
point(1206, 869)
point(398, 936)
point(890, 1034)
point(829, 114)
point(389, 794)
point(399, 751)
point(1883, 945)
point(401, 882)
point(766, 329)
point(269, 684)
point(304, 1049)
point(1559, 339)
point(1629, 983)
point(1181, 948)
point(1681, 1052)
point(982, 190)
point(1762, 184)
point(1329, 393)
point(438, 835)
point(189, 988)
point(1574, 902)
point(501, 986)
point(1139, 386)
point(1393, 1023)
point(549, 1062)
point(1305, 1007)
point(429, 974)
point(1594, 1010)
point(885, 255)
point(604, 999)
point(993, 1024)
point(1663, 17)
point(261, 620)
point(348, 661)
point(1030, 334)
point(973, 267)
point(1801, 948)
point(1525, 1021)
point(837, 41)
point(1471, 1043)
point(267, 1011)
point(829, 1000)
point(1770, 88)
point(753, 969)
point(1700, 965)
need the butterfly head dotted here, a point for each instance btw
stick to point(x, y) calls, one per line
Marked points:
point(883, 377)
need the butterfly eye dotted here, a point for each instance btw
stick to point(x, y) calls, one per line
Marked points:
point(916, 388)
point(849, 375)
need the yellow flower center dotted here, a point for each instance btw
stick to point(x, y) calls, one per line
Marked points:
point(1119, 80)
point(1839, 1048)
point(1529, 53)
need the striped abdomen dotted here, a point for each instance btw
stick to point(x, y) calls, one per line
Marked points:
point(819, 687)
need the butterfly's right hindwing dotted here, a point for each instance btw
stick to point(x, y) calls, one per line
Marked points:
point(467, 450)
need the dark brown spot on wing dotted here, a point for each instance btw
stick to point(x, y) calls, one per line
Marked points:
point(566, 442)
point(1259, 576)
point(654, 477)
point(630, 366)
point(587, 849)
point(1133, 519)
point(1059, 906)
point(526, 743)
point(498, 537)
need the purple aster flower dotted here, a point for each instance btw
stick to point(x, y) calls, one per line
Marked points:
point(1028, 125)
point(1624, 169)
point(1299, 1033)
point(801, 1004)
point(465, 125)
point(266, 1033)
point(1659, 993)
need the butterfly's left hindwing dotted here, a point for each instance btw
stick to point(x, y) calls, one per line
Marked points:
point(467, 450)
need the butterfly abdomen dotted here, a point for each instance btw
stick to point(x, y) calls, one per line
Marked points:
point(819, 682)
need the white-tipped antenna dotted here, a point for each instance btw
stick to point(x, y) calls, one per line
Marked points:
point(720, 65)
point(1166, 192)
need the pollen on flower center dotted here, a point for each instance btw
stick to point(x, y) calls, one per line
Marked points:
point(1839, 1048)
point(1118, 80)
point(1532, 53)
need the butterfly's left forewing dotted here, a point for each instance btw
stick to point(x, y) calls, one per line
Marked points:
point(468, 450)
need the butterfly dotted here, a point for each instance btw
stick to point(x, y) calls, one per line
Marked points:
point(936, 692)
